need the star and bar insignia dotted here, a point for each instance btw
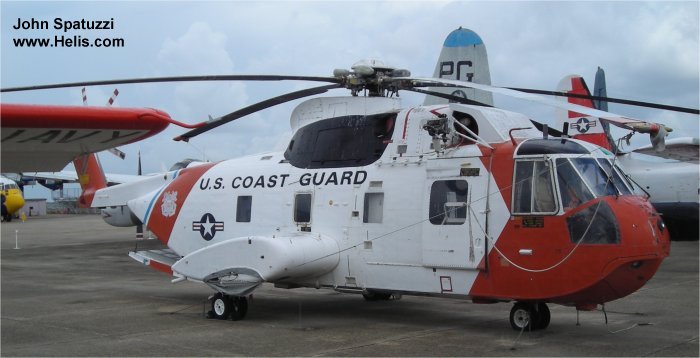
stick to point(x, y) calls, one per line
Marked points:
point(207, 226)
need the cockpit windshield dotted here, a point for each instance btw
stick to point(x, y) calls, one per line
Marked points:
point(8, 186)
point(573, 190)
point(599, 179)
point(579, 180)
point(616, 177)
point(594, 176)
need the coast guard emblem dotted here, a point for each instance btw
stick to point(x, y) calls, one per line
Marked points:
point(168, 205)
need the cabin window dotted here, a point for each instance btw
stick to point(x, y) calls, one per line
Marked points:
point(448, 202)
point(348, 141)
point(533, 191)
point(374, 208)
point(243, 208)
point(302, 208)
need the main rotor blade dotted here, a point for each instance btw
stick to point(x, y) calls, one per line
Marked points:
point(615, 119)
point(255, 108)
point(609, 99)
point(425, 83)
point(176, 79)
point(448, 97)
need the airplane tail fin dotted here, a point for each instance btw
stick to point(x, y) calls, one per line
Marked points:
point(600, 90)
point(91, 178)
point(463, 58)
point(583, 127)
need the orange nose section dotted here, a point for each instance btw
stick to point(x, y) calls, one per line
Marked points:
point(644, 244)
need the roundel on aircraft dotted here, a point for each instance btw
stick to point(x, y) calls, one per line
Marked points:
point(459, 93)
point(207, 226)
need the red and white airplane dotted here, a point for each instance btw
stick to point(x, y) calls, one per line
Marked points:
point(452, 200)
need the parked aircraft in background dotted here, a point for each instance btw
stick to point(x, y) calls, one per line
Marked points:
point(671, 176)
point(12, 198)
point(47, 138)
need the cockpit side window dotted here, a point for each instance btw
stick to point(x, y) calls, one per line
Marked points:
point(533, 188)
point(574, 191)
point(522, 196)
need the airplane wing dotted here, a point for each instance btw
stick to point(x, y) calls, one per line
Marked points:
point(683, 149)
point(48, 137)
point(69, 176)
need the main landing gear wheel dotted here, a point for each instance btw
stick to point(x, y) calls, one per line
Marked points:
point(224, 307)
point(376, 296)
point(221, 306)
point(239, 308)
point(529, 316)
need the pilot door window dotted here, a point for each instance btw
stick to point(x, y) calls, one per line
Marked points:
point(448, 202)
point(533, 188)
point(302, 210)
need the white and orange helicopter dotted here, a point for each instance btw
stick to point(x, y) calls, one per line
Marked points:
point(459, 200)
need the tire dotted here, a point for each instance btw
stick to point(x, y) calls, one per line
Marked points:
point(221, 306)
point(542, 316)
point(239, 308)
point(521, 317)
point(372, 296)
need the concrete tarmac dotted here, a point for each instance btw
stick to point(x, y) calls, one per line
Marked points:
point(71, 290)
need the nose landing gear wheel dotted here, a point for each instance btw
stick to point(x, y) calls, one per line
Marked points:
point(529, 316)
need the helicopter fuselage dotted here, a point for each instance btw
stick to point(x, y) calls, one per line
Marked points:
point(402, 201)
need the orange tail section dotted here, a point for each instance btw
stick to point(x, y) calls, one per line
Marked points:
point(90, 176)
point(583, 127)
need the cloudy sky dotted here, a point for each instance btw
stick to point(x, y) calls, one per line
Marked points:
point(649, 51)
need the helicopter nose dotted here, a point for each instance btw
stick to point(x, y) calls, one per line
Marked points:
point(14, 202)
point(644, 244)
point(648, 230)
